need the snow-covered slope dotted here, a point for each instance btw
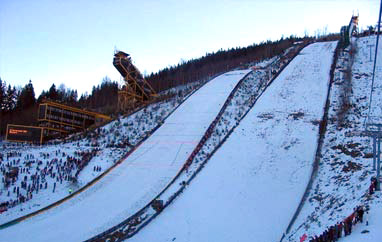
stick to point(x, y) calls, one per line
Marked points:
point(138, 179)
point(250, 188)
point(46, 172)
point(237, 105)
point(345, 168)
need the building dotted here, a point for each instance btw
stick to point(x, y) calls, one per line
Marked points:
point(55, 120)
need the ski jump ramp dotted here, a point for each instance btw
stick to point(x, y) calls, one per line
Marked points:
point(133, 183)
point(250, 188)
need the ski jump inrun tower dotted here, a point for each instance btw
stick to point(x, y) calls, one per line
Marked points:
point(135, 89)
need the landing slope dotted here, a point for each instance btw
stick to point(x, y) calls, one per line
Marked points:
point(346, 165)
point(251, 187)
point(138, 179)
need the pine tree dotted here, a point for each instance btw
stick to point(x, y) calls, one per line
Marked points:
point(62, 93)
point(27, 97)
point(2, 94)
point(53, 93)
point(10, 99)
point(2, 97)
point(42, 96)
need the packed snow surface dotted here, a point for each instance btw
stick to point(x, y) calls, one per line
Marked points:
point(251, 187)
point(132, 184)
point(346, 164)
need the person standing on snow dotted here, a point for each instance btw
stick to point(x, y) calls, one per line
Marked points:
point(360, 213)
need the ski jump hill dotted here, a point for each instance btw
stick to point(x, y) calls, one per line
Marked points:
point(251, 187)
point(248, 190)
point(138, 179)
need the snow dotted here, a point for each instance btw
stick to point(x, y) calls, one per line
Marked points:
point(345, 168)
point(237, 105)
point(47, 162)
point(374, 223)
point(375, 112)
point(134, 182)
point(250, 188)
point(108, 142)
point(246, 95)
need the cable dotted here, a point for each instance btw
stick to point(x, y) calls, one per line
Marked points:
point(375, 62)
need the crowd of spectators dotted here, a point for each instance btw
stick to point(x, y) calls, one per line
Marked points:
point(345, 227)
point(22, 178)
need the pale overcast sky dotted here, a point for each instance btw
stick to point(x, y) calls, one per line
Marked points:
point(72, 41)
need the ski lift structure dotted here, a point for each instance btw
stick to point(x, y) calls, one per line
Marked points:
point(373, 124)
point(135, 89)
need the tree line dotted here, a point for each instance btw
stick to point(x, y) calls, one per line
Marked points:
point(19, 105)
point(218, 62)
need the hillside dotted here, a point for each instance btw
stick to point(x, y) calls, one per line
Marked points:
point(345, 170)
point(271, 153)
point(48, 172)
point(139, 177)
point(250, 187)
